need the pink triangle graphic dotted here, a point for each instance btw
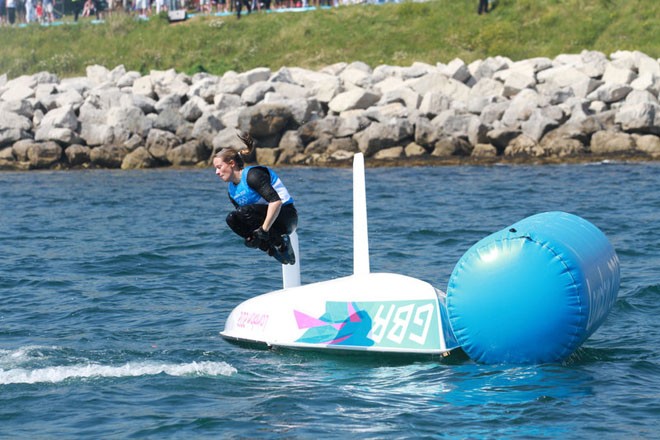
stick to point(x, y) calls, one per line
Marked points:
point(306, 321)
point(352, 314)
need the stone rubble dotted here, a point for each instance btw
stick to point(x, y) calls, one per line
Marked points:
point(585, 105)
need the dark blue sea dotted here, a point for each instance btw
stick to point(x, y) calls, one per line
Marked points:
point(114, 286)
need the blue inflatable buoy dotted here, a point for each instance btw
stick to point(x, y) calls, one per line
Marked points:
point(534, 291)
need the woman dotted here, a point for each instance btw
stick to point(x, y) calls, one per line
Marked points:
point(265, 214)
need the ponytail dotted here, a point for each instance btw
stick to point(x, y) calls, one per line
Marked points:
point(238, 157)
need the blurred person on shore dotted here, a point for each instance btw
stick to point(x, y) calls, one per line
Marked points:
point(39, 10)
point(87, 9)
point(239, 6)
point(483, 7)
point(49, 8)
point(11, 11)
point(30, 15)
point(77, 6)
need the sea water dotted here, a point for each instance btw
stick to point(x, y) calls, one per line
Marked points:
point(114, 286)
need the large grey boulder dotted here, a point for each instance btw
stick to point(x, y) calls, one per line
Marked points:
point(144, 86)
point(20, 149)
point(484, 150)
point(127, 79)
point(562, 147)
point(190, 153)
point(169, 120)
point(610, 93)
point(456, 69)
point(96, 133)
point(521, 108)
point(63, 136)
point(265, 121)
point(77, 154)
point(452, 146)
point(63, 117)
point(205, 129)
point(493, 112)
point(639, 118)
point(144, 103)
point(409, 98)
point(318, 128)
point(437, 82)
point(434, 103)
point(608, 142)
point(171, 101)
point(426, 133)
point(349, 123)
point(23, 108)
point(488, 67)
point(7, 154)
point(648, 144)
point(288, 90)
point(538, 125)
point(13, 128)
point(108, 156)
point(159, 142)
point(357, 74)
point(205, 88)
point(618, 75)
point(43, 155)
point(525, 146)
point(516, 82)
point(127, 121)
point(194, 108)
point(226, 101)
point(593, 64)
point(226, 138)
point(169, 82)
point(388, 111)
point(98, 75)
point(390, 153)
point(500, 137)
point(356, 98)
point(79, 84)
point(379, 136)
point(256, 92)
point(18, 92)
point(233, 83)
point(454, 124)
point(303, 110)
point(9, 120)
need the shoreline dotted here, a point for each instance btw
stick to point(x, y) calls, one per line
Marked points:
point(398, 163)
point(573, 108)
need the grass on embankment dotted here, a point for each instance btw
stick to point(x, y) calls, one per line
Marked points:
point(397, 34)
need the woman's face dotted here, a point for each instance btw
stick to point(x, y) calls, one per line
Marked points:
point(224, 170)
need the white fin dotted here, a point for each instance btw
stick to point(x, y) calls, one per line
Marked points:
point(291, 272)
point(360, 228)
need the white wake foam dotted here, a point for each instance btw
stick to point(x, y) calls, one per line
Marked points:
point(61, 373)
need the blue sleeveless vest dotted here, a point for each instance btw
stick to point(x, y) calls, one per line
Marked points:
point(243, 195)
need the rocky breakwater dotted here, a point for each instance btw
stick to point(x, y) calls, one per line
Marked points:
point(585, 105)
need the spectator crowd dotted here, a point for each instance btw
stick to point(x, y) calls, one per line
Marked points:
point(17, 12)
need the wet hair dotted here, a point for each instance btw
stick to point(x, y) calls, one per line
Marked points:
point(238, 156)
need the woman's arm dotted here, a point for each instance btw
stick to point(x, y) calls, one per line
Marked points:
point(271, 214)
point(259, 180)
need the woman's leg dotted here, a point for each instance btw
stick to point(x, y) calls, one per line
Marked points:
point(285, 224)
point(246, 219)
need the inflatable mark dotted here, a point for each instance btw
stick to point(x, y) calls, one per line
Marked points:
point(534, 291)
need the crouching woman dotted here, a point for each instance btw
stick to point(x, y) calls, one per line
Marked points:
point(264, 213)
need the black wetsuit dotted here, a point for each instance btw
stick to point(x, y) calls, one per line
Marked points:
point(250, 217)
